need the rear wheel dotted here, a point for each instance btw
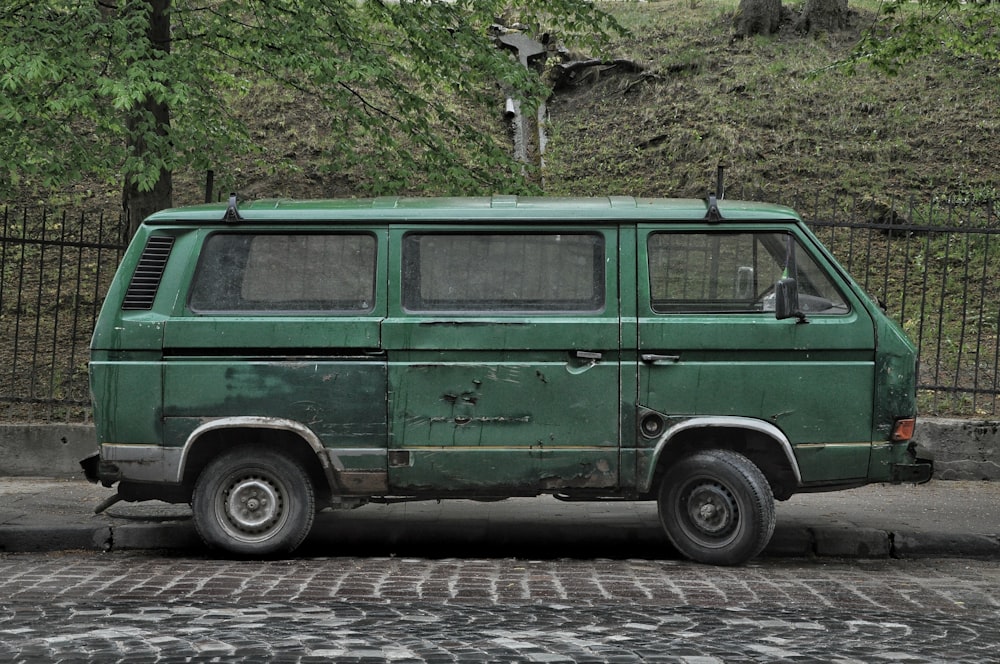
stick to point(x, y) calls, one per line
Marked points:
point(253, 501)
point(716, 507)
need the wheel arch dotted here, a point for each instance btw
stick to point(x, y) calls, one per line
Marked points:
point(761, 442)
point(293, 438)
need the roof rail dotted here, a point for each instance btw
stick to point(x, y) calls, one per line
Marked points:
point(503, 201)
point(713, 215)
point(232, 215)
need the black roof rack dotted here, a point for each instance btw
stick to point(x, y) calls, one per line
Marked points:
point(232, 215)
point(713, 215)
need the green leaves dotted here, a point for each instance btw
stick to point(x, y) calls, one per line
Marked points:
point(407, 87)
point(905, 31)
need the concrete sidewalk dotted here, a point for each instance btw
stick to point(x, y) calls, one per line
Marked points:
point(941, 518)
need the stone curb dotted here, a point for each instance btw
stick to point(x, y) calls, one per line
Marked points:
point(792, 542)
point(909, 545)
point(38, 539)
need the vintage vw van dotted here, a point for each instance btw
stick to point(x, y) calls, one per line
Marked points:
point(266, 360)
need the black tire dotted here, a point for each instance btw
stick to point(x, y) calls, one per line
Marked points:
point(716, 507)
point(253, 501)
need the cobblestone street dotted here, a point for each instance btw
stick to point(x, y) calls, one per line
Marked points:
point(155, 607)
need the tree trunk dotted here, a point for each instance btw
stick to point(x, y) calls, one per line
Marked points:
point(140, 204)
point(757, 17)
point(823, 16)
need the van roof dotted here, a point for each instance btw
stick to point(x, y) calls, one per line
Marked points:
point(483, 208)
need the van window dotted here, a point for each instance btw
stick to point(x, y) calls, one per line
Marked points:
point(303, 272)
point(733, 273)
point(503, 272)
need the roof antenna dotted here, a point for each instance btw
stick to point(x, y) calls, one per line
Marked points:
point(232, 214)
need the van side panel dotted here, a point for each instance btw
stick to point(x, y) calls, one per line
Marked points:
point(485, 400)
point(283, 325)
point(125, 375)
point(127, 390)
point(341, 400)
point(521, 422)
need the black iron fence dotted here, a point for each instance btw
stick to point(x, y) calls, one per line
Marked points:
point(935, 268)
point(934, 265)
point(54, 272)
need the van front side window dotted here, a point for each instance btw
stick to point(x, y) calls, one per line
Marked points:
point(504, 272)
point(733, 273)
point(286, 273)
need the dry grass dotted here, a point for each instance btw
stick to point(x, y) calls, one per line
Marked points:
point(774, 112)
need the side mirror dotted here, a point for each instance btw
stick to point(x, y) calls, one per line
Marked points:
point(786, 300)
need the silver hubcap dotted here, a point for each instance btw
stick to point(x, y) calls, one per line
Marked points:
point(712, 510)
point(253, 505)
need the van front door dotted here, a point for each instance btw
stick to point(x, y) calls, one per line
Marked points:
point(710, 344)
point(503, 360)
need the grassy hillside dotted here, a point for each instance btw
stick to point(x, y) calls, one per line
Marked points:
point(774, 112)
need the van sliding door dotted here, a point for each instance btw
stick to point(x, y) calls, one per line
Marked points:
point(504, 359)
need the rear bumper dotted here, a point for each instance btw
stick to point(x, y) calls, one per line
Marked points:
point(913, 473)
point(99, 471)
point(90, 465)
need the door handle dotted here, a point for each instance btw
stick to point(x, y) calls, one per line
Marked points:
point(588, 355)
point(654, 358)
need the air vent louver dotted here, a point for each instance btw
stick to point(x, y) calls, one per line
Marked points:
point(146, 278)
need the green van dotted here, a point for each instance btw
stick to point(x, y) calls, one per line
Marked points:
point(267, 360)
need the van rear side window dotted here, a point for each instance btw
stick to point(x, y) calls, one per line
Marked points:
point(302, 272)
point(505, 272)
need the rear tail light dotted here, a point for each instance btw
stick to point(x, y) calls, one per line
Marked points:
point(903, 429)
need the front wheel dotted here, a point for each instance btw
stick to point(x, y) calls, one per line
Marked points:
point(253, 501)
point(716, 507)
